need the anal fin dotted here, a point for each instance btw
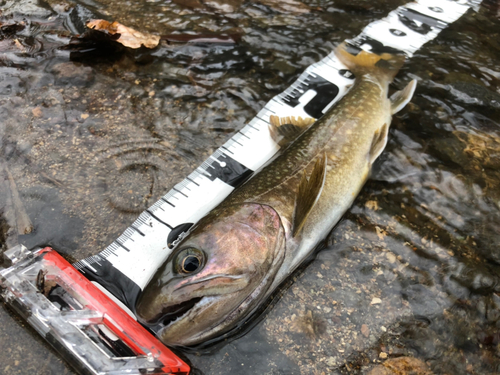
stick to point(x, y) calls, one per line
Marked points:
point(284, 130)
point(400, 98)
point(308, 194)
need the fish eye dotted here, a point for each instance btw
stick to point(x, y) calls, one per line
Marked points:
point(189, 260)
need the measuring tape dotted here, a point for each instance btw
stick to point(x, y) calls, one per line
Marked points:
point(126, 266)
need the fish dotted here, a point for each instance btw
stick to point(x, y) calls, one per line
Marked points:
point(241, 251)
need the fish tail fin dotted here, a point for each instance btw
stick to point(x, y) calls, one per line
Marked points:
point(363, 62)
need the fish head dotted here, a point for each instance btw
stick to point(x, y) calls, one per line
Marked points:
point(215, 276)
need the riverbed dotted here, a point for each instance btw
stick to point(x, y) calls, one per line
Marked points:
point(88, 140)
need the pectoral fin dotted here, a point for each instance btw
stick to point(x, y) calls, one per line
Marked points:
point(400, 98)
point(286, 129)
point(378, 143)
point(308, 194)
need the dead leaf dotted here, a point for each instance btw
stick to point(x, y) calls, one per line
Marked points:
point(128, 37)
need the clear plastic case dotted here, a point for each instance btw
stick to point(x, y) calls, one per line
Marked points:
point(84, 325)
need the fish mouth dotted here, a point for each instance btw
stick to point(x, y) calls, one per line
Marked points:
point(171, 313)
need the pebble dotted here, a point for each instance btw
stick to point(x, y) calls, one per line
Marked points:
point(376, 301)
point(390, 257)
point(365, 330)
point(330, 361)
point(37, 112)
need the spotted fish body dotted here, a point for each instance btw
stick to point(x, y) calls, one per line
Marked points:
point(243, 249)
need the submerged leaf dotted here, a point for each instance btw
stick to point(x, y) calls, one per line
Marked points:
point(127, 36)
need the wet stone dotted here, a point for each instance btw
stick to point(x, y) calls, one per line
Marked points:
point(68, 73)
point(33, 8)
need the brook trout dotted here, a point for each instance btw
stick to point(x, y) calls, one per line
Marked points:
point(238, 254)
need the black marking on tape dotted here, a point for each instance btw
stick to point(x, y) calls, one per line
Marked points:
point(354, 46)
point(137, 230)
point(114, 281)
point(122, 245)
point(397, 32)
point(180, 192)
point(176, 234)
point(164, 200)
point(160, 220)
point(436, 9)
point(418, 22)
point(253, 127)
point(326, 91)
point(235, 141)
point(244, 135)
point(346, 74)
point(187, 178)
point(227, 150)
point(232, 173)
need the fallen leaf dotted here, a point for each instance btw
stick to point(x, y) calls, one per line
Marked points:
point(128, 37)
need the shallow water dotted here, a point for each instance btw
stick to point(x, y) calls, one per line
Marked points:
point(412, 270)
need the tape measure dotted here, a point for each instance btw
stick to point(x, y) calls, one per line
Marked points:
point(126, 266)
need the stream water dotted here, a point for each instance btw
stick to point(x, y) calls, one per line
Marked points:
point(88, 140)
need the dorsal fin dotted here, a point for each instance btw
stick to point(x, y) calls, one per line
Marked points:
point(378, 143)
point(308, 194)
point(286, 129)
point(400, 98)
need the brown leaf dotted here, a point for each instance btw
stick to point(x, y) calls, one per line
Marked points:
point(128, 37)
